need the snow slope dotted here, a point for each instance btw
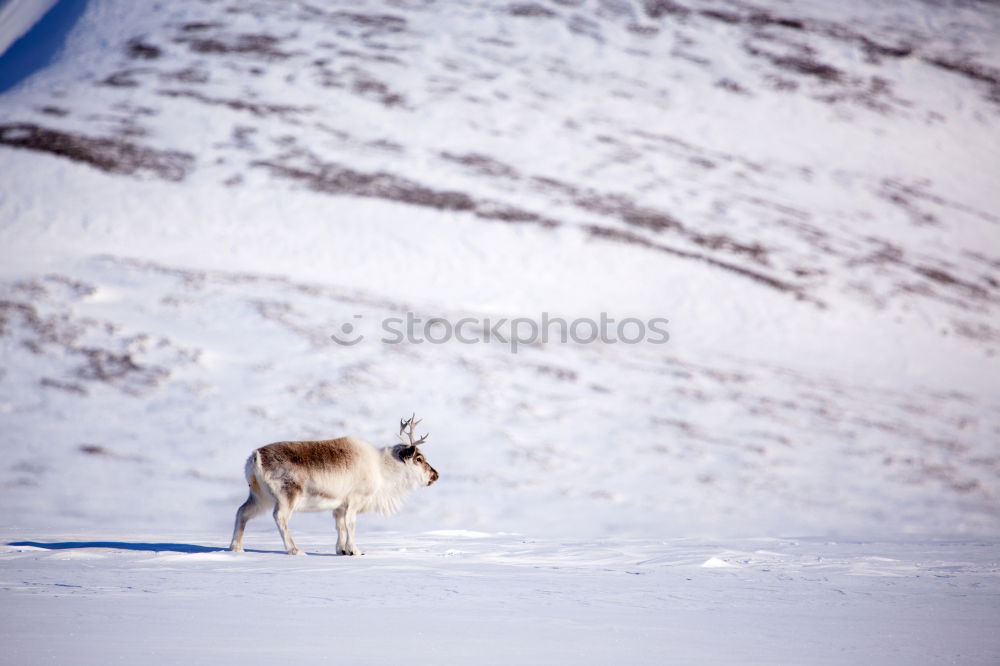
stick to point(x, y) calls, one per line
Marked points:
point(195, 196)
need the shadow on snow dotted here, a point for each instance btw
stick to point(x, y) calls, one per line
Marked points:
point(125, 545)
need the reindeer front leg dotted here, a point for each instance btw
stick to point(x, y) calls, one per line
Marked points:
point(340, 517)
point(347, 520)
point(352, 522)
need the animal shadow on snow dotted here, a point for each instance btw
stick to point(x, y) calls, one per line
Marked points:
point(125, 545)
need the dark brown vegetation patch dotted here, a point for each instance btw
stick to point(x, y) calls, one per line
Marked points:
point(482, 164)
point(259, 45)
point(530, 10)
point(368, 86)
point(627, 210)
point(378, 22)
point(763, 18)
point(123, 79)
point(107, 154)
point(641, 29)
point(198, 26)
point(610, 204)
point(947, 279)
point(970, 69)
point(657, 8)
point(186, 75)
point(60, 334)
point(69, 387)
point(973, 71)
point(731, 86)
point(798, 63)
point(260, 109)
point(874, 50)
point(140, 50)
point(336, 179)
point(103, 451)
point(103, 365)
point(621, 236)
point(725, 17)
point(808, 66)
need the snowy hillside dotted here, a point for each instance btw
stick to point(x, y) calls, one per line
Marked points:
point(196, 196)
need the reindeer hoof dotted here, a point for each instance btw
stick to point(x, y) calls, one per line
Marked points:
point(296, 551)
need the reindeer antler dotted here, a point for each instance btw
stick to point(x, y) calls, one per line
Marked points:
point(407, 426)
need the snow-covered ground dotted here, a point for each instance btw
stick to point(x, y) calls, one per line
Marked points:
point(195, 196)
point(460, 597)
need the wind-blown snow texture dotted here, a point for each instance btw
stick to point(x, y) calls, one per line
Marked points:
point(196, 195)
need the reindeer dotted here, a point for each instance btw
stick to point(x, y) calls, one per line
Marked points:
point(346, 475)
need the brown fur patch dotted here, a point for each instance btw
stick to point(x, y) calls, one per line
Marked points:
point(319, 455)
point(290, 489)
point(431, 472)
point(254, 486)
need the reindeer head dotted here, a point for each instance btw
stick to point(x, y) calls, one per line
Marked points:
point(409, 454)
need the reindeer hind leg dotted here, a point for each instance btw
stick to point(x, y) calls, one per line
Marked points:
point(247, 510)
point(283, 508)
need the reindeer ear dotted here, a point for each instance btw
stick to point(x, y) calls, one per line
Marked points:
point(407, 452)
